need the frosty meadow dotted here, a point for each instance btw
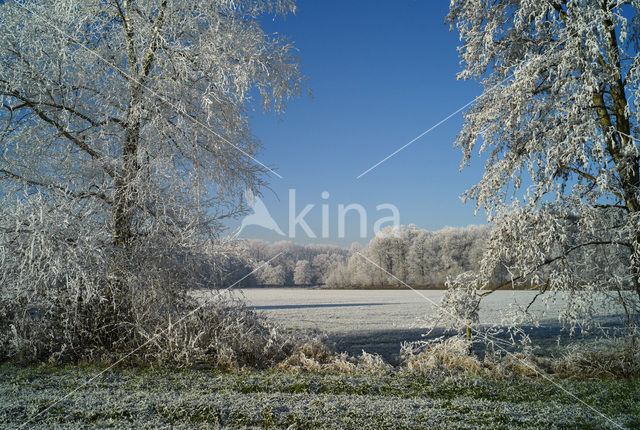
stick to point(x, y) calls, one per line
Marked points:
point(143, 279)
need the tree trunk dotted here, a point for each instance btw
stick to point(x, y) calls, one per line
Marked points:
point(635, 265)
point(126, 192)
point(620, 144)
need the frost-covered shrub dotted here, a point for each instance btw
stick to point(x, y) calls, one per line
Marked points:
point(518, 364)
point(451, 354)
point(142, 330)
point(372, 363)
point(315, 356)
point(617, 358)
point(311, 355)
point(144, 323)
point(66, 294)
point(455, 355)
point(611, 358)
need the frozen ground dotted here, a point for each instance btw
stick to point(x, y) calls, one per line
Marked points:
point(150, 399)
point(380, 320)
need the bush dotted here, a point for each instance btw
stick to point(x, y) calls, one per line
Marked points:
point(451, 354)
point(315, 356)
point(607, 358)
point(602, 358)
point(454, 355)
point(139, 326)
point(67, 295)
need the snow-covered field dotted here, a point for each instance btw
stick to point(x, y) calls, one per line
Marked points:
point(380, 320)
point(357, 310)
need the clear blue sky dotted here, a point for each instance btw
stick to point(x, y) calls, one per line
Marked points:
point(381, 73)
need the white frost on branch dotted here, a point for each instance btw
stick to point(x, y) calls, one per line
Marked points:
point(558, 123)
point(124, 143)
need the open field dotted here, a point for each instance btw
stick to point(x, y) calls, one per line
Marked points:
point(358, 310)
point(378, 321)
point(203, 399)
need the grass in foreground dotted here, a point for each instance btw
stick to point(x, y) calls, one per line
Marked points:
point(145, 398)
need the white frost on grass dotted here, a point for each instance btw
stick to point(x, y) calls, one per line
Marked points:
point(154, 399)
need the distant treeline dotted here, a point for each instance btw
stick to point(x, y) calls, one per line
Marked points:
point(412, 256)
point(397, 255)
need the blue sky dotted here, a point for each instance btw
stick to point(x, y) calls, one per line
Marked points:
point(381, 73)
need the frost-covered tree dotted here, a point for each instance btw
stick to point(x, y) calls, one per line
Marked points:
point(138, 109)
point(124, 141)
point(339, 276)
point(558, 120)
point(302, 274)
point(287, 255)
point(323, 264)
point(416, 258)
point(388, 249)
point(271, 275)
point(359, 269)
